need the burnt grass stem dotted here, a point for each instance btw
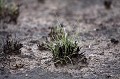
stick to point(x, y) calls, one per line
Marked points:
point(12, 47)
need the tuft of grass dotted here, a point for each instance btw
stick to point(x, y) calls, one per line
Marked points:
point(63, 48)
point(12, 47)
point(9, 12)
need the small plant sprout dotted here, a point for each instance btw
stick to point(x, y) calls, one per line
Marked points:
point(63, 48)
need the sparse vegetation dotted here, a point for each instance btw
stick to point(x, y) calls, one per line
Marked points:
point(8, 12)
point(56, 33)
point(63, 48)
point(9, 48)
point(12, 47)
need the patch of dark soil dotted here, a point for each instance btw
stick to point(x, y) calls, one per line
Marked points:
point(114, 41)
point(42, 46)
point(41, 1)
point(107, 4)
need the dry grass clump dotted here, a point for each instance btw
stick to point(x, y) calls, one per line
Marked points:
point(12, 47)
point(9, 12)
point(64, 50)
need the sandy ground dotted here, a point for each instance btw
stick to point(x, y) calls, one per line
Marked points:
point(87, 20)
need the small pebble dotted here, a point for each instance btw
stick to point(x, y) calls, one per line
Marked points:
point(26, 75)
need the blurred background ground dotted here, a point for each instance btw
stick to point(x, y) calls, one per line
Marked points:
point(93, 25)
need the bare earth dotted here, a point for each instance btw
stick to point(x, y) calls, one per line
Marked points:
point(86, 20)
